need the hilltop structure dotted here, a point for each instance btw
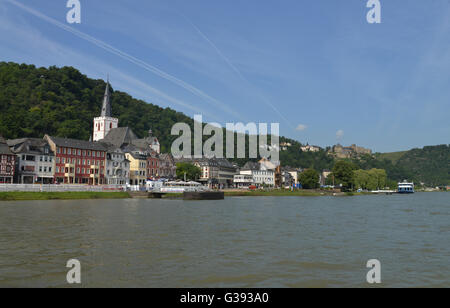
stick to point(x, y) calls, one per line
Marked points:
point(340, 151)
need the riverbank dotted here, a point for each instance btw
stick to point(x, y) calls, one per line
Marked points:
point(277, 193)
point(16, 196)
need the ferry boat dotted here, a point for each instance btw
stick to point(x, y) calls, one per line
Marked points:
point(405, 188)
point(181, 187)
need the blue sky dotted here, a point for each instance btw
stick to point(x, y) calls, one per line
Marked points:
point(316, 67)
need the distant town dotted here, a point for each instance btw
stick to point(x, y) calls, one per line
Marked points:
point(116, 156)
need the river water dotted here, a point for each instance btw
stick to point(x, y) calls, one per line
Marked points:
point(237, 242)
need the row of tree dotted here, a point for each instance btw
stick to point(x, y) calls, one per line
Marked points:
point(347, 175)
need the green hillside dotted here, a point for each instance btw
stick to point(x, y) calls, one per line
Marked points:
point(394, 156)
point(62, 102)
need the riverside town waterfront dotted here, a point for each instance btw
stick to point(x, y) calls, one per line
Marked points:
point(224, 150)
point(232, 243)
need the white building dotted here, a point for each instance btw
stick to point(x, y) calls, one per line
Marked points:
point(243, 180)
point(36, 161)
point(310, 148)
point(117, 167)
point(260, 173)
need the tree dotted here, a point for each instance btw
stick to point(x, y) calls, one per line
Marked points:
point(309, 179)
point(192, 172)
point(372, 179)
point(343, 174)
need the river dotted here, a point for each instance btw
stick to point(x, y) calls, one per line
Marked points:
point(237, 242)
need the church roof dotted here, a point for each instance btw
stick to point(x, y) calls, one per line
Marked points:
point(120, 136)
point(106, 107)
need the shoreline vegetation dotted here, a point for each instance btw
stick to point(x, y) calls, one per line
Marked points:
point(30, 196)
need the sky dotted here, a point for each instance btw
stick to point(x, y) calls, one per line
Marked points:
point(317, 67)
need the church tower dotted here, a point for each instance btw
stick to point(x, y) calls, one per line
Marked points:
point(105, 122)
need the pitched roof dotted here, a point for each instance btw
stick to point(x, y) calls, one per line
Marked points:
point(106, 107)
point(29, 145)
point(4, 148)
point(120, 136)
point(251, 166)
point(78, 144)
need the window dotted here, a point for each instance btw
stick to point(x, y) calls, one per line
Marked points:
point(64, 150)
point(45, 169)
point(49, 169)
point(40, 158)
point(79, 152)
point(59, 150)
point(63, 160)
point(40, 168)
point(69, 151)
point(57, 169)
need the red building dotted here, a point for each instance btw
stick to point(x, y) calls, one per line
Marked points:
point(78, 161)
point(7, 163)
point(153, 165)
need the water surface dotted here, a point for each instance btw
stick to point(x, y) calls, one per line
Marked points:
point(237, 242)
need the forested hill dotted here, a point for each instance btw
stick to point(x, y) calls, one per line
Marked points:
point(63, 102)
point(430, 165)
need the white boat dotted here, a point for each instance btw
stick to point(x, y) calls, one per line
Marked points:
point(405, 188)
point(180, 187)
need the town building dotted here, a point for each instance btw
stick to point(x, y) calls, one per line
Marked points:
point(150, 142)
point(105, 122)
point(138, 164)
point(153, 165)
point(215, 172)
point(167, 168)
point(117, 167)
point(267, 164)
point(35, 161)
point(78, 161)
point(293, 176)
point(262, 176)
point(310, 148)
point(284, 146)
point(7, 163)
point(323, 177)
point(243, 180)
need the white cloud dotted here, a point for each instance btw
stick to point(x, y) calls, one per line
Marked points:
point(339, 134)
point(301, 127)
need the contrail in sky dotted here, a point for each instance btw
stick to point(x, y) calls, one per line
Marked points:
point(128, 57)
point(236, 70)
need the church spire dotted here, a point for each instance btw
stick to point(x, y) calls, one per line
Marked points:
point(106, 108)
